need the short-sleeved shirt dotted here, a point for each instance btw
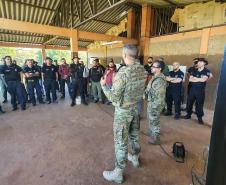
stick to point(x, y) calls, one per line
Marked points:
point(200, 74)
point(11, 73)
point(32, 70)
point(49, 72)
point(176, 74)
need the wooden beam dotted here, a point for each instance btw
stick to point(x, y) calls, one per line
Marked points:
point(38, 46)
point(74, 43)
point(204, 41)
point(145, 21)
point(43, 53)
point(177, 36)
point(103, 37)
point(9, 24)
point(130, 23)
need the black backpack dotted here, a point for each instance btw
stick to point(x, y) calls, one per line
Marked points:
point(179, 152)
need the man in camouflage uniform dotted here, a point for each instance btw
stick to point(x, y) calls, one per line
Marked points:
point(128, 88)
point(155, 93)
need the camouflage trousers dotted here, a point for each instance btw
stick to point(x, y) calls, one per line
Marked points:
point(126, 129)
point(153, 115)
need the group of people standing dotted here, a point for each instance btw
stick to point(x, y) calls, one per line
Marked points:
point(124, 88)
point(25, 84)
point(160, 87)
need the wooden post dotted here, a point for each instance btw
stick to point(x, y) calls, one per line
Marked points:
point(204, 41)
point(74, 43)
point(131, 23)
point(146, 27)
point(43, 53)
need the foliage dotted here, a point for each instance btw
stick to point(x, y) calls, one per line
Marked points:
point(21, 54)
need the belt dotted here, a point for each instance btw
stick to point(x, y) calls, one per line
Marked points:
point(31, 80)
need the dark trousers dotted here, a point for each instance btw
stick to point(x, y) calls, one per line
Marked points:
point(77, 85)
point(85, 86)
point(16, 90)
point(5, 93)
point(31, 87)
point(62, 86)
point(196, 95)
point(50, 86)
point(173, 95)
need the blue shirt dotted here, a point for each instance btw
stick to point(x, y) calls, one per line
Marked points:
point(12, 72)
point(176, 74)
point(199, 74)
point(32, 70)
point(49, 72)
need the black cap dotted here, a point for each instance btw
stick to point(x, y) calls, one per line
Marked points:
point(203, 60)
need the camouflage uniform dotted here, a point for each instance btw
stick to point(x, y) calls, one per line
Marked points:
point(127, 89)
point(156, 91)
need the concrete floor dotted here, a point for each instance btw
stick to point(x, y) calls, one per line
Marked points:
point(59, 145)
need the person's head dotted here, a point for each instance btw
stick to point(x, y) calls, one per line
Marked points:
point(75, 60)
point(29, 62)
point(55, 62)
point(48, 61)
point(3, 60)
point(63, 60)
point(176, 66)
point(96, 62)
point(150, 60)
point(157, 66)
point(129, 54)
point(202, 62)
point(8, 60)
point(81, 62)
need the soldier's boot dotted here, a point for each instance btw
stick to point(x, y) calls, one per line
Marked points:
point(134, 159)
point(154, 140)
point(114, 176)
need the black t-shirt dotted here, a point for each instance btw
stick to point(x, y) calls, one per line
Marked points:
point(12, 72)
point(76, 71)
point(96, 73)
point(49, 72)
point(177, 74)
point(32, 70)
point(200, 74)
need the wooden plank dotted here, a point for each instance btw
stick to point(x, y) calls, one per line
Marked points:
point(177, 36)
point(38, 46)
point(103, 37)
point(58, 31)
point(9, 24)
point(131, 23)
point(74, 41)
point(145, 21)
point(204, 41)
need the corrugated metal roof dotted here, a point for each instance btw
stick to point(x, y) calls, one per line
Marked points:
point(46, 11)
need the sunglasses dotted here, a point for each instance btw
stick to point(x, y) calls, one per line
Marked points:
point(155, 67)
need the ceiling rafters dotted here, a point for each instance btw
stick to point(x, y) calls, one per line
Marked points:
point(31, 5)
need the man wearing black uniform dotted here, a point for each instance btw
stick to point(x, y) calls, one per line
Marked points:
point(196, 94)
point(32, 75)
point(12, 74)
point(76, 70)
point(50, 75)
point(173, 90)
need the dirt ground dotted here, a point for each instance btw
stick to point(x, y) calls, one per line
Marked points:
point(59, 145)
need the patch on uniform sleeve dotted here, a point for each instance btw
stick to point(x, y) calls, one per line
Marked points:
point(157, 83)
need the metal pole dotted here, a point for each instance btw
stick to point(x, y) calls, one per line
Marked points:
point(216, 172)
